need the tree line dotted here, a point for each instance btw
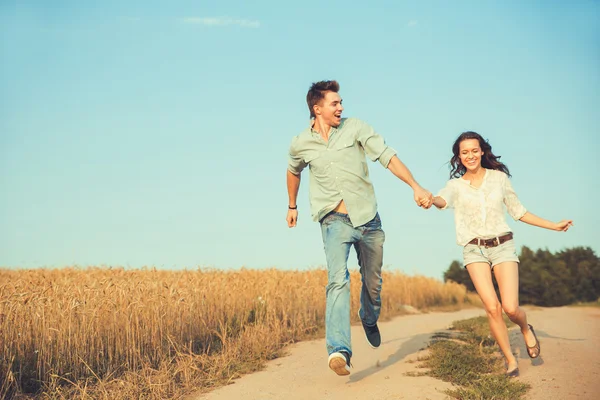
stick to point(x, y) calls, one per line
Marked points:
point(548, 279)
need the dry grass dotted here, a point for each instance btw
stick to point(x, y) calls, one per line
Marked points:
point(154, 334)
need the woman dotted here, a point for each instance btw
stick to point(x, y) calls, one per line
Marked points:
point(478, 190)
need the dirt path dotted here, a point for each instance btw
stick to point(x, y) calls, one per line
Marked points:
point(569, 367)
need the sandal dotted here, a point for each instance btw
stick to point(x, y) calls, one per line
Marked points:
point(533, 351)
point(513, 374)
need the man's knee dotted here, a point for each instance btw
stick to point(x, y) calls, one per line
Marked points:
point(338, 275)
point(338, 283)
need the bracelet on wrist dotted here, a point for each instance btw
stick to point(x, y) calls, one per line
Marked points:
point(293, 208)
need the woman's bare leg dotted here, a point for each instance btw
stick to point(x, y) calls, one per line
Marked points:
point(507, 276)
point(481, 275)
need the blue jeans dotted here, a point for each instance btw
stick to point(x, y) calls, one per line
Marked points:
point(338, 236)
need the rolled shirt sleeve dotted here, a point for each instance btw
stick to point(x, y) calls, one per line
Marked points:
point(448, 193)
point(295, 163)
point(512, 202)
point(374, 144)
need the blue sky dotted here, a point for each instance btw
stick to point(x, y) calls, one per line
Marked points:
point(156, 133)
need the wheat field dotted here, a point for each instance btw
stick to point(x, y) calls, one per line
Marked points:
point(114, 333)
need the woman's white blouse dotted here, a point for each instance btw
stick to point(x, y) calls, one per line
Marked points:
point(479, 212)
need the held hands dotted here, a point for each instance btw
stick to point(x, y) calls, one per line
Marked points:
point(423, 198)
point(292, 218)
point(563, 225)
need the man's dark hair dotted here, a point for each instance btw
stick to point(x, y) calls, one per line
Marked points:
point(317, 92)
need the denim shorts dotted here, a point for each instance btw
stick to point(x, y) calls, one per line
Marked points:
point(491, 255)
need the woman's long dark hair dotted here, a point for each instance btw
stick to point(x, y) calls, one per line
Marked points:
point(488, 160)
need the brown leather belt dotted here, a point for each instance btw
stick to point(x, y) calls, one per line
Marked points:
point(493, 242)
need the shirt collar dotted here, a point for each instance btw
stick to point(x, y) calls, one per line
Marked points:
point(311, 123)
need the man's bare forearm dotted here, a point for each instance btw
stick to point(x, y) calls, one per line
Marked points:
point(293, 184)
point(398, 168)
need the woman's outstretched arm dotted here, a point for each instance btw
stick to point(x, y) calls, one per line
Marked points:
point(534, 220)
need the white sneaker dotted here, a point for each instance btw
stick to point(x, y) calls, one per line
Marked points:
point(339, 362)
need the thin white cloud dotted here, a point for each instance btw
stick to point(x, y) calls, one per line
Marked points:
point(222, 21)
point(412, 23)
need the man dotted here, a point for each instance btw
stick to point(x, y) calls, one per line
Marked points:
point(343, 201)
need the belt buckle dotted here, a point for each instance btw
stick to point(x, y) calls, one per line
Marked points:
point(496, 241)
